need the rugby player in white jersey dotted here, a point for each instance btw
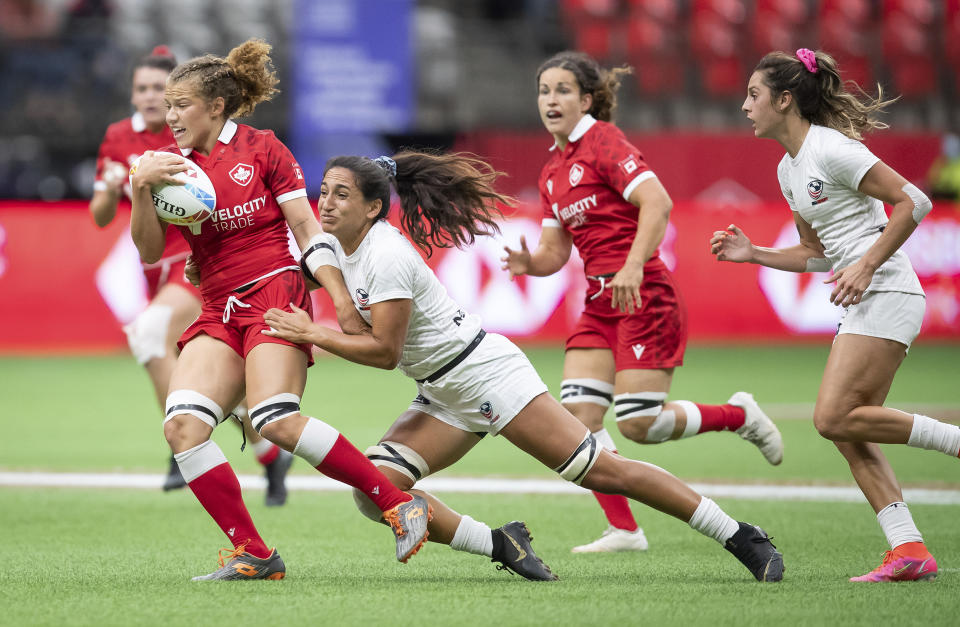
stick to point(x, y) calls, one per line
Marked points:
point(837, 189)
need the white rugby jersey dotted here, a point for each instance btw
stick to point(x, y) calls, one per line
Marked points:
point(821, 183)
point(386, 266)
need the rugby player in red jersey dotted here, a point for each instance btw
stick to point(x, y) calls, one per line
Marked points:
point(245, 267)
point(599, 194)
point(174, 302)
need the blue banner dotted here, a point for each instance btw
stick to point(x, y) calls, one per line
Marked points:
point(352, 78)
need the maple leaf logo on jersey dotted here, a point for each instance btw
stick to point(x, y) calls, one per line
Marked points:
point(576, 173)
point(629, 165)
point(242, 174)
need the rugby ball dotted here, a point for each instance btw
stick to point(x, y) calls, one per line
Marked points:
point(187, 204)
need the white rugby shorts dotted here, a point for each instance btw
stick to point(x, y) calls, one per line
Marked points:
point(888, 315)
point(484, 392)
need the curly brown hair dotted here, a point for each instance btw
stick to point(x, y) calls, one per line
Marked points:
point(822, 97)
point(592, 79)
point(445, 199)
point(244, 79)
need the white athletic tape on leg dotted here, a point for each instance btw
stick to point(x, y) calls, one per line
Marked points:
point(399, 457)
point(180, 402)
point(274, 408)
point(639, 404)
point(580, 462)
point(316, 440)
point(694, 419)
point(147, 334)
point(603, 439)
point(199, 459)
point(586, 391)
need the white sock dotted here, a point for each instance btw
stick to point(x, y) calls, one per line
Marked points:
point(694, 419)
point(897, 524)
point(603, 438)
point(262, 447)
point(316, 440)
point(712, 521)
point(195, 461)
point(473, 537)
point(934, 435)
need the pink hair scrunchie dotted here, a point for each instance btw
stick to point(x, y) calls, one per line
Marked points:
point(809, 59)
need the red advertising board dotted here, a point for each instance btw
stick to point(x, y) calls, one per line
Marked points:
point(67, 286)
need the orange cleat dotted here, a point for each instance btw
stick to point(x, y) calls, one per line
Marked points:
point(897, 565)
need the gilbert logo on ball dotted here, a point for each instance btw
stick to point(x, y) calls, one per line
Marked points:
point(184, 205)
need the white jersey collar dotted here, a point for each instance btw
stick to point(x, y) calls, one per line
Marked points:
point(226, 135)
point(584, 125)
point(138, 123)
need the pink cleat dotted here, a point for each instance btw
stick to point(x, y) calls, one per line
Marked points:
point(897, 567)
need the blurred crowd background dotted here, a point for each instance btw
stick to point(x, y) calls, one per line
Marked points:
point(466, 65)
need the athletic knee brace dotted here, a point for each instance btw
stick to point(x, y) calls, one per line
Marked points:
point(147, 333)
point(647, 405)
point(399, 457)
point(580, 461)
point(586, 391)
point(274, 408)
point(181, 402)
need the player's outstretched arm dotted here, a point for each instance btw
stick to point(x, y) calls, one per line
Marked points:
point(381, 348)
point(732, 244)
point(551, 254)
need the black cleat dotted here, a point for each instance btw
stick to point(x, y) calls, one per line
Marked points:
point(751, 545)
point(276, 474)
point(511, 547)
point(174, 480)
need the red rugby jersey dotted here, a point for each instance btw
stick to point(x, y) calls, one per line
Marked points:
point(124, 141)
point(583, 189)
point(246, 238)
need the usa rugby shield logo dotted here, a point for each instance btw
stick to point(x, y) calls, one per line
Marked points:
point(576, 173)
point(486, 410)
point(815, 188)
point(363, 298)
point(242, 174)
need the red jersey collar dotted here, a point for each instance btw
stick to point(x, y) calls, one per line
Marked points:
point(229, 130)
point(584, 125)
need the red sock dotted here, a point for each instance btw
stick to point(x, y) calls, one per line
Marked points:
point(348, 465)
point(219, 492)
point(616, 508)
point(720, 417)
point(268, 457)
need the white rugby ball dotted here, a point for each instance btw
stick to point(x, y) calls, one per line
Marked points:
point(187, 204)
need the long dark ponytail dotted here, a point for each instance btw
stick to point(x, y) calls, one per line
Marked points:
point(445, 199)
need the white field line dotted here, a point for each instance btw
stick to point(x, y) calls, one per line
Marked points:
point(480, 485)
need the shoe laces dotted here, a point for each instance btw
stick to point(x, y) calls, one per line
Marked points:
point(888, 557)
point(225, 555)
point(392, 518)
